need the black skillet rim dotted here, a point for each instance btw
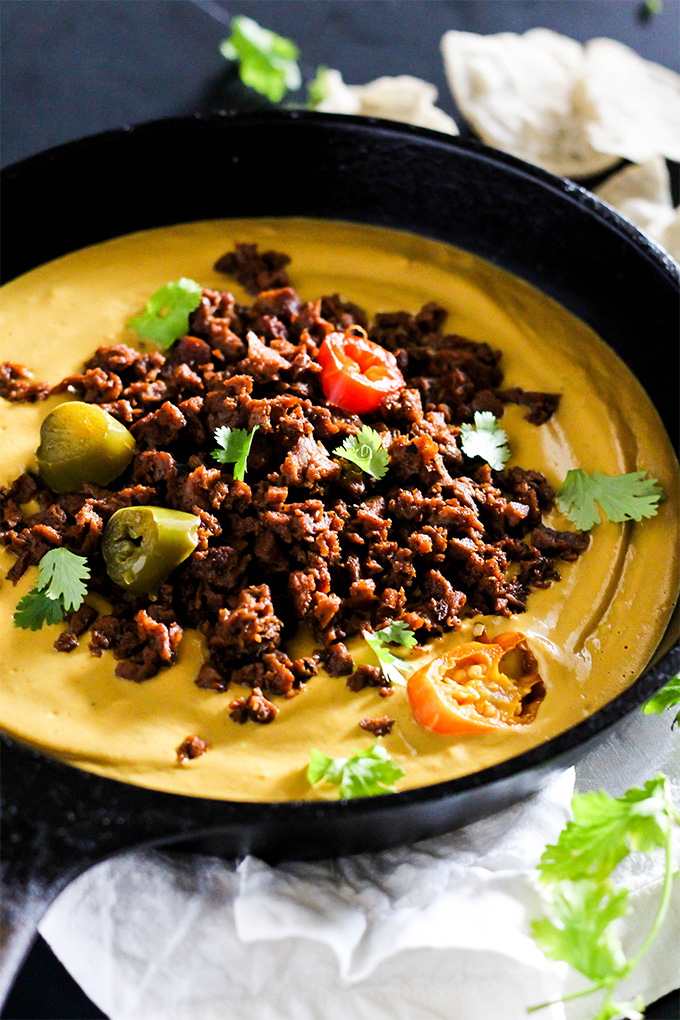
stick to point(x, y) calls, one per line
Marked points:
point(564, 747)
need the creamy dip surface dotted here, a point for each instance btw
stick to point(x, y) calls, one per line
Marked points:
point(592, 633)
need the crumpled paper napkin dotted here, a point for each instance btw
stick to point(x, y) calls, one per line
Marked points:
point(435, 931)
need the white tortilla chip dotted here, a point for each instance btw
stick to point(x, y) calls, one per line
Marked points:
point(404, 98)
point(339, 97)
point(632, 106)
point(648, 181)
point(517, 92)
point(642, 194)
point(668, 236)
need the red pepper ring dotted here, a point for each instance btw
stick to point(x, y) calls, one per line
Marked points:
point(356, 374)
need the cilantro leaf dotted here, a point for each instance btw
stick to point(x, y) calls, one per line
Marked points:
point(650, 8)
point(391, 666)
point(62, 575)
point(317, 89)
point(368, 773)
point(366, 451)
point(166, 316)
point(234, 448)
point(581, 902)
point(605, 829)
point(267, 61)
point(667, 697)
point(36, 608)
point(622, 497)
point(60, 589)
point(610, 1009)
point(577, 927)
point(397, 633)
point(486, 440)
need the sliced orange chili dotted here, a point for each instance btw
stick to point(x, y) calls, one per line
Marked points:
point(478, 686)
point(355, 372)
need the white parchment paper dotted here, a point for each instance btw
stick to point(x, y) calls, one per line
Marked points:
point(435, 931)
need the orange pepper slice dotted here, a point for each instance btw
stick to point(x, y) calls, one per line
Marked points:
point(478, 687)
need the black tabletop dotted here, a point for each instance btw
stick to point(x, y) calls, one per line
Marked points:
point(76, 67)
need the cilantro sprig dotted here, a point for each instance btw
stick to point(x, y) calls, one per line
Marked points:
point(370, 773)
point(667, 697)
point(318, 87)
point(581, 901)
point(396, 633)
point(166, 315)
point(605, 829)
point(267, 61)
point(366, 451)
point(486, 439)
point(628, 497)
point(61, 589)
point(233, 448)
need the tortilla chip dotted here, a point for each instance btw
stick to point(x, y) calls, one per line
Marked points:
point(517, 92)
point(642, 194)
point(631, 106)
point(339, 97)
point(648, 181)
point(404, 98)
point(668, 236)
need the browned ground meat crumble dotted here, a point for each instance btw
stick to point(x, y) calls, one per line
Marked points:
point(190, 748)
point(378, 727)
point(306, 538)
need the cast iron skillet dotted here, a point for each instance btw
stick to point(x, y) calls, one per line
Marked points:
point(59, 820)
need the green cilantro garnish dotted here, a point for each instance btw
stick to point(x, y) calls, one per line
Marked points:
point(577, 930)
point(368, 773)
point(395, 633)
point(604, 830)
point(60, 589)
point(622, 497)
point(166, 316)
point(234, 448)
point(36, 608)
point(667, 697)
point(581, 902)
point(366, 451)
point(267, 61)
point(317, 89)
point(486, 440)
point(652, 7)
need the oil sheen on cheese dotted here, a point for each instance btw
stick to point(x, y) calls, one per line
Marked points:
point(593, 632)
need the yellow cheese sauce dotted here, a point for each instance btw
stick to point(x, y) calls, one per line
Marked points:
point(592, 632)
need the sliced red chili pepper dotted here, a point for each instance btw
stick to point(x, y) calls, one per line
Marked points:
point(356, 373)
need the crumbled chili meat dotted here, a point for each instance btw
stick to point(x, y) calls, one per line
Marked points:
point(306, 538)
point(365, 676)
point(254, 270)
point(16, 385)
point(190, 748)
point(379, 727)
point(79, 622)
point(255, 707)
point(210, 679)
point(542, 406)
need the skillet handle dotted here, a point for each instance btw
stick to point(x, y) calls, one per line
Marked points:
point(20, 912)
point(55, 821)
point(34, 868)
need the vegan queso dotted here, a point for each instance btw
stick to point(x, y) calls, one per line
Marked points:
point(307, 503)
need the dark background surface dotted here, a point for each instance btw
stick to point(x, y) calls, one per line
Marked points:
point(76, 67)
